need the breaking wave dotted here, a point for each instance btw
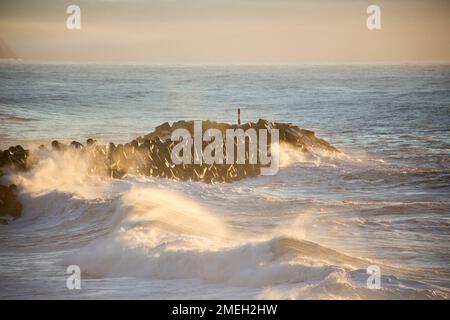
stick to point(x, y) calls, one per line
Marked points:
point(144, 229)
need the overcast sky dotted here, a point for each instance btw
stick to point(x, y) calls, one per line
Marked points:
point(228, 31)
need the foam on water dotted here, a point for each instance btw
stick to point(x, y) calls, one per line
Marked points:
point(136, 228)
point(308, 232)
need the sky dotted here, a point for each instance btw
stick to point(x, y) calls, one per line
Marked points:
point(227, 31)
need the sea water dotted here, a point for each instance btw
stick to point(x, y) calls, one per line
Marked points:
point(310, 231)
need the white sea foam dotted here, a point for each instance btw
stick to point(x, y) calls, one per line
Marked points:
point(160, 230)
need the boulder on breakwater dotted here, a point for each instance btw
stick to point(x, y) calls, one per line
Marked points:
point(10, 208)
point(15, 156)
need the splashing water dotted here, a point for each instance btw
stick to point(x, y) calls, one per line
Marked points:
point(308, 232)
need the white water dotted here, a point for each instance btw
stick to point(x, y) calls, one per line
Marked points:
point(308, 232)
point(147, 233)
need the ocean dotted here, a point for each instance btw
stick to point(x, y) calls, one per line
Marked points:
point(309, 232)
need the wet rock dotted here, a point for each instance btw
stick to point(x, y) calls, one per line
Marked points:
point(76, 145)
point(9, 205)
point(291, 135)
point(3, 159)
point(19, 148)
point(163, 127)
point(57, 146)
point(264, 124)
point(246, 126)
point(15, 157)
point(135, 144)
point(183, 124)
point(42, 147)
point(162, 131)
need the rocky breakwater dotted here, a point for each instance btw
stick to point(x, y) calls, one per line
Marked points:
point(151, 155)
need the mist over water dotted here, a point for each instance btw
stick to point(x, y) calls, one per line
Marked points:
point(308, 232)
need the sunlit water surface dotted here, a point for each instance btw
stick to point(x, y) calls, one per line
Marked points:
point(309, 232)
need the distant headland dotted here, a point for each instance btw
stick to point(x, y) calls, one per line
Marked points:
point(6, 53)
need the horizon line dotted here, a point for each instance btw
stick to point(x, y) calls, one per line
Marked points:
point(349, 63)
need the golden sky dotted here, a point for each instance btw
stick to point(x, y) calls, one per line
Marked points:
point(228, 31)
